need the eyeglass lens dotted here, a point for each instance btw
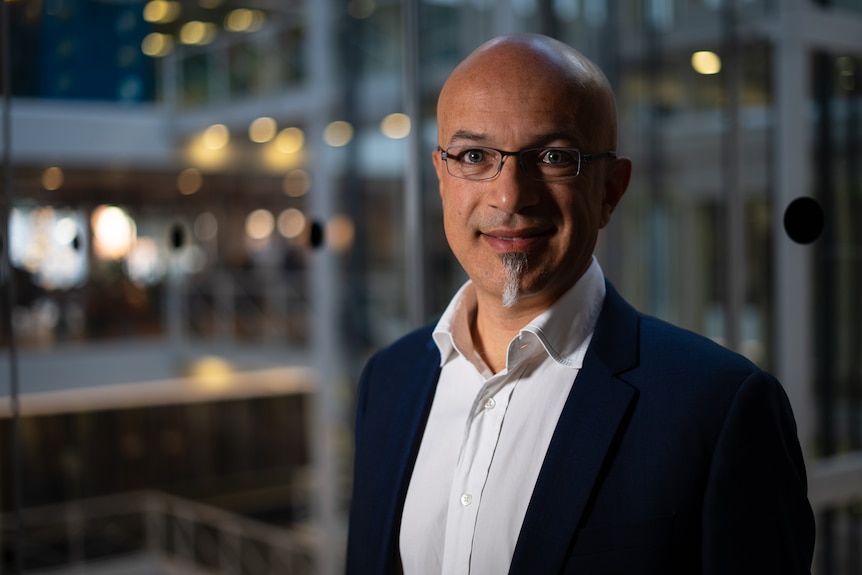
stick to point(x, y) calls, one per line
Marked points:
point(544, 164)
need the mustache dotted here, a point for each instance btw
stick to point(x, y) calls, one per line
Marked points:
point(508, 221)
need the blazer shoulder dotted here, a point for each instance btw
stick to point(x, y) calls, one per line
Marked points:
point(627, 339)
point(403, 360)
point(408, 347)
point(673, 345)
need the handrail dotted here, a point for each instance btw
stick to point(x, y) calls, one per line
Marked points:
point(194, 534)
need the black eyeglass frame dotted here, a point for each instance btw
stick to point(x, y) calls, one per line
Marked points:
point(582, 159)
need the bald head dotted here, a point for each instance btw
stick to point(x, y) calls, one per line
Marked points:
point(532, 66)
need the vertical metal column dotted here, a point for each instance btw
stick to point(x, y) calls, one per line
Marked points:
point(413, 228)
point(792, 171)
point(657, 284)
point(734, 207)
point(7, 288)
point(324, 292)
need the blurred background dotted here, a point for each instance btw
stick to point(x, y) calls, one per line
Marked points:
point(213, 211)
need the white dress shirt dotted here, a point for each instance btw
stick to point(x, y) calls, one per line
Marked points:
point(487, 434)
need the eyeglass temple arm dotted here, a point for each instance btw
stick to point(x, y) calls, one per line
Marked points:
point(591, 157)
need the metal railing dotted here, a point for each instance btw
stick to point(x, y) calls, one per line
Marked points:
point(168, 534)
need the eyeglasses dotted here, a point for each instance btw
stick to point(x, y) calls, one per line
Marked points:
point(540, 164)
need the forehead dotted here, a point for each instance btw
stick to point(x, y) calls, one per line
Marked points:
point(510, 108)
point(517, 94)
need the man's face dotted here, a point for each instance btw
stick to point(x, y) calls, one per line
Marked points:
point(554, 223)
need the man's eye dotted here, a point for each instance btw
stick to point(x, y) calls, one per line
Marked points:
point(556, 157)
point(473, 157)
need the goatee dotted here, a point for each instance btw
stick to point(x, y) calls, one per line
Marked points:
point(515, 264)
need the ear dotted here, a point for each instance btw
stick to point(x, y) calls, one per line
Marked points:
point(616, 182)
point(439, 165)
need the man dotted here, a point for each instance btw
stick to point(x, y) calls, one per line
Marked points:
point(543, 425)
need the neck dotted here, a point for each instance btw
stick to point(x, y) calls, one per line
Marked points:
point(495, 325)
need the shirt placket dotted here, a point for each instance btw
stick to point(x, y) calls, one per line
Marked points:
point(481, 435)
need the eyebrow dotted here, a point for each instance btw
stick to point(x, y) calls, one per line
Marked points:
point(470, 137)
point(536, 141)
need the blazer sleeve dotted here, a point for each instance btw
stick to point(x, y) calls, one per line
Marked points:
point(756, 515)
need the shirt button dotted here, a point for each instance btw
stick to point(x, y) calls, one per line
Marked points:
point(466, 499)
point(490, 404)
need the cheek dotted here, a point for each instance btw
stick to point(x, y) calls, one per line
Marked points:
point(454, 224)
point(456, 212)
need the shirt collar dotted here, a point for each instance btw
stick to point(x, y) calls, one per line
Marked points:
point(562, 329)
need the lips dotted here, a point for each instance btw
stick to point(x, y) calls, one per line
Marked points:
point(504, 240)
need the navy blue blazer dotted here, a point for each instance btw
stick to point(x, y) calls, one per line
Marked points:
point(672, 455)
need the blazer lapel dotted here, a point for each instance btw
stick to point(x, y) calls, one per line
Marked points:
point(596, 408)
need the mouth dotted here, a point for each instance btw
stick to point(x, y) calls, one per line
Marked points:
point(503, 240)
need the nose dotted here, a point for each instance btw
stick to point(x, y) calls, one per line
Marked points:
point(512, 191)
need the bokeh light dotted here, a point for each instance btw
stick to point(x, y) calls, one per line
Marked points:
point(291, 223)
point(189, 181)
point(290, 140)
point(262, 130)
point(706, 62)
point(65, 231)
point(144, 265)
point(259, 224)
point(197, 33)
point(212, 372)
point(205, 227)
point(340, 232)
point(244, 20)
point(338, 133)
point(161, 11)
point(52, 178)
point(216, 137)
point(395, 126)
point(296, 183)
point(157, 45)
point(113, 232)
point(50, 244)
